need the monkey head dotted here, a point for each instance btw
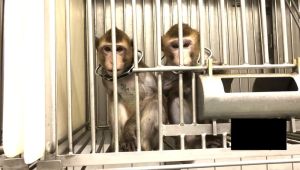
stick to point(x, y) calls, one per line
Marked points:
point(191, 41)
point(124, 51)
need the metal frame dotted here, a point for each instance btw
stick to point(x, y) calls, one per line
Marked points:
point(242, 64)
point(96, 158)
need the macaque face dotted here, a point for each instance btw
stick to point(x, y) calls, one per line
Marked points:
point(170, 46)
point(124, 52)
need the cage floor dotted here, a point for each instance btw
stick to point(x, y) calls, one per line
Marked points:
point(82, 145)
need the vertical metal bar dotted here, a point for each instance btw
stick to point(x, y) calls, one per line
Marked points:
point(1, 62)
point(224, 135)
point(254, 35)
point(182, 142)
point(137, 96)
point(203, 140)
point(292, 31)
point(189, 7)
point(159, 75)
point(144, 27)
point(104, 30)
point(229, 52)
point(244, 31)
point(91, 46)
point(52, 36)
point(223, 29)
point(276, 33)
point(264, 31)
point(179, 14)
point(115, 85)
point(171, 12)
point(219, 31)
point(104, 13)
point(154, 14)
point(209, 23)
point(69, 80)
point(194, 97)
point(164, 11)
point(180, 33)
point(284, 32)
point(237, 37)
point(214, 128)
point(260, 32)
point(201, 11)
point(124, 15)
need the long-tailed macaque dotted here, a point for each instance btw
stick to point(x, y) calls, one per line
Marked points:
point(127, 95)
point(170, 48)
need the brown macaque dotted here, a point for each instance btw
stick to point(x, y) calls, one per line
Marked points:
point(170, 48)
point(127, 95)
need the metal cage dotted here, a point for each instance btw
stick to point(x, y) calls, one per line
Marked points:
point(256, 40)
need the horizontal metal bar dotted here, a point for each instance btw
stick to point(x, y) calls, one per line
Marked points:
point(253, 75)
point(198, 129)
point(220, 164)
point(214, 67)
point(169, 155)
point(194, 129)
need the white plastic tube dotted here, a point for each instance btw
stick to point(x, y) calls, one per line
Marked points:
point(24, 79)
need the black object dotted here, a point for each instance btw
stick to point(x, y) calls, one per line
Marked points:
point(258, 134)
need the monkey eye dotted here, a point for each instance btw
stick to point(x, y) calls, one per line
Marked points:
point(186, 44)
point(175, 45)
point(119, 49)
point(106, 49)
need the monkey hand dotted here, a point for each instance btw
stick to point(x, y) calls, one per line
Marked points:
point(128, 146)
point(128, 141)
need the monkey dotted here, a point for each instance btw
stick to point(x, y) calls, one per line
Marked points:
point(126, 93)
point(191, 49)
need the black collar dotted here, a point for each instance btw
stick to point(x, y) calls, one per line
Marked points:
point(100, 71)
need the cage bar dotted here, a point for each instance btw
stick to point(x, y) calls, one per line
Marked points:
point(264, 31)
point(69, 78)
point(284, 31)
point(194, 97)
point(137, 96)
point(115, 84)
point(223, 28)
point(244, 32)
point(91, 53)
point(52, 49)
point(180, 35)
point(159, 75)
